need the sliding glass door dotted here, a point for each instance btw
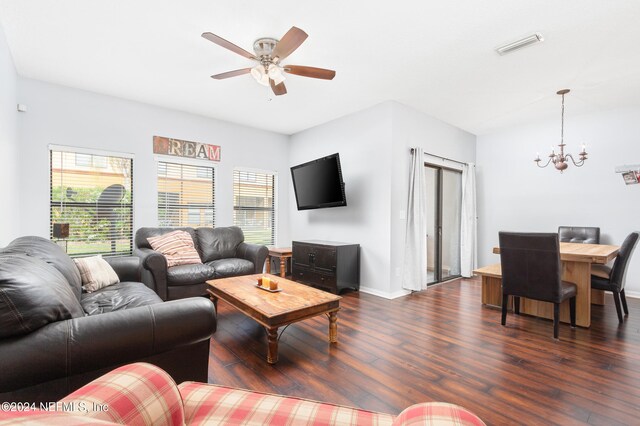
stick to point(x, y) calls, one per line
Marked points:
point(444, 201)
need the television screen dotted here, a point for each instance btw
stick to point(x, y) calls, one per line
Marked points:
point(318, 183)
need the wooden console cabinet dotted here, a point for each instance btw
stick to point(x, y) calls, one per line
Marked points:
point(327, 265)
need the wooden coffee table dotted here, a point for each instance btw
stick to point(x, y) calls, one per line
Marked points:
point(296, 302)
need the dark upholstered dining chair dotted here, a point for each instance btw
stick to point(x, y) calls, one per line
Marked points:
point(531, 268)
point(579, 234)
point(612, 279)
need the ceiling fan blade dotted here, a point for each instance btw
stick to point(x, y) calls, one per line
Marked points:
point(310, 72)
point(278, 89)
point(233, 73)
point(228, 45)
point(289, 42)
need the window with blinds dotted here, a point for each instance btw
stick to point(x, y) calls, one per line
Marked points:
point(186, 195)
point(254, 208)
point(91, 203)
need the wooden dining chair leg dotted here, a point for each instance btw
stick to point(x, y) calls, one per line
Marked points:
point(616, 299)
point(505, 300)
point(623, 299)
point(556, 319)
point(572, 311)
point(516, 305)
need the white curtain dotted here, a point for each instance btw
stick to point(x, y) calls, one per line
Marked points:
point(414, 276)
point(468, 223)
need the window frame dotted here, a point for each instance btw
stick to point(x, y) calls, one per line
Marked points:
point(276, 197)
point(159, 158)
point(93, 152)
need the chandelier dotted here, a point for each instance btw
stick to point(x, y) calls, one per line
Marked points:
point(560, 160)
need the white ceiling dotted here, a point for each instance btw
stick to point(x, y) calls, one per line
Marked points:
point(436, 56)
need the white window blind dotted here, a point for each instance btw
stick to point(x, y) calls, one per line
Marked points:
point(186, 195)
point(254, 208)
point(93, 195)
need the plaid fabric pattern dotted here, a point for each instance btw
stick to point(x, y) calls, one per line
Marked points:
point(45, 418)
point(135, 394)
point(212, 405)
point(437, 413)
point(143, 394)
point(177, 246)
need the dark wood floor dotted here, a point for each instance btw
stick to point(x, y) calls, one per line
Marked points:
point(443, 345)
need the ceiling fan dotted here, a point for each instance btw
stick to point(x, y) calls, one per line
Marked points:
point(269, 55)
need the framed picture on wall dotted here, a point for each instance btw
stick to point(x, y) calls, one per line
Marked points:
point(630, 177)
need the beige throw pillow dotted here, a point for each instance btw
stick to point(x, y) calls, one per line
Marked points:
point(96, 273)
point(177, 247)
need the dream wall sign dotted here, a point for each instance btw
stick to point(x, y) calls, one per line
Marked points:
point(180, 148)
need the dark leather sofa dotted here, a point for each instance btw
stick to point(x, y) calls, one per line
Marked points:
point(54, 338)
point(223, 253)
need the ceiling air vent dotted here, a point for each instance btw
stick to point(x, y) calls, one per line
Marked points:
point(519, 44)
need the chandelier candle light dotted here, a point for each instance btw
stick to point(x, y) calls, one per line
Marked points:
point(559, 160)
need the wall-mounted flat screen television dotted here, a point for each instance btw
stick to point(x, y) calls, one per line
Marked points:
point(318, 183)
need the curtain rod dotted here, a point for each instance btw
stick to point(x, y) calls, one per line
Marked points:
point(443, 158)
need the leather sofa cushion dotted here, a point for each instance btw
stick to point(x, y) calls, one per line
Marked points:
point(51, 253)
point(219, 243)
point(123, 295)
point(32, 295)
point(143, 233)
point(232, 267)
point(190, 274)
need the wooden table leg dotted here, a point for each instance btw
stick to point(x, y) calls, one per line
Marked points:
point(272, 350)
point(214, 299)
point(333, 327)
point(283, 262)
point(268, 268)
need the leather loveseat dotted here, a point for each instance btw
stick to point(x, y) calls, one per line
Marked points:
point(55, 338)
point(223, 253)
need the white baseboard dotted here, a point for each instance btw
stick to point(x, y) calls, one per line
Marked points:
point(400, 293)
point(384, 294)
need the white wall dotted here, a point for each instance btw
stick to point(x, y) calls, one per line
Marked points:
point(374, 151)
point(363, 140)
point(412, 128)
point(65, 116)
point(9, 188)
point(515, 195)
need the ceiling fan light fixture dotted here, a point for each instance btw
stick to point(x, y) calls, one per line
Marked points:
point(260, 75)
point(276, 74)
point(519, 44)
point(269, 53)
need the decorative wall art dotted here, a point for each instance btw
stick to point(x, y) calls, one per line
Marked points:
point(630, 173)
point(188, 149)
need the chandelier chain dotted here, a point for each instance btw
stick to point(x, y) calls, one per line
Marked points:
point(562, 122)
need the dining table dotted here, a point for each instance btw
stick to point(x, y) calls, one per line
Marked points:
point(576, 259)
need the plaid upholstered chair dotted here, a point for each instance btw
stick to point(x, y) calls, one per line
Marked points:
point(143, 394)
